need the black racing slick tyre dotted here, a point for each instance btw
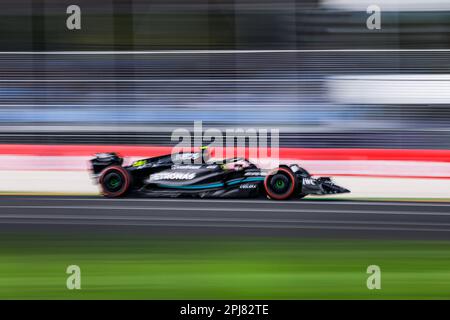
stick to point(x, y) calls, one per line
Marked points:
point(280, 184)
point(115, 182)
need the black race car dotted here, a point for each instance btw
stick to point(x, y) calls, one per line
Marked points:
point(171, 176)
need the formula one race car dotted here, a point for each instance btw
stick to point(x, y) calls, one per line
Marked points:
point(234, 178)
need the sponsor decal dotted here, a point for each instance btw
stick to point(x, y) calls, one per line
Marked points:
point(248, 186)
point(172, 176)
point(255, 174)
point(194, 167)
point(186, 167)
point(180, 157)
point(309, 181)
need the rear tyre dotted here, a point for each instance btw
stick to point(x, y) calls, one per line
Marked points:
point(280, 184)
point(115, 182)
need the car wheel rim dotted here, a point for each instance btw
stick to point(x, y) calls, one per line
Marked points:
point(113, 182)
point(280, 184)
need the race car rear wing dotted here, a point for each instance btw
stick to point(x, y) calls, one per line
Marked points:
point(104, 160)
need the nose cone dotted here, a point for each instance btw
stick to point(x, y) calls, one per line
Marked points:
point(338, 189)
point(342, 190)
point(345, 190)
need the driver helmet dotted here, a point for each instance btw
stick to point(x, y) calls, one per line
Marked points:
point(206, 154)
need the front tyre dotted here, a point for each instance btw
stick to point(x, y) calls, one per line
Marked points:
point(115, 182)
point(280, 184)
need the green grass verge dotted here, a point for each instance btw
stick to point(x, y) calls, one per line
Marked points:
point(211, 268)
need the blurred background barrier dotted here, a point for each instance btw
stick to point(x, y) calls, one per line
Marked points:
point(139, 69)
point(387, 5)
point(223, 24)
point(316, 100)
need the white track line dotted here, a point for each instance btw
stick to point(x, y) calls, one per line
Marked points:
point(228, 210)
point(188, 219)
point(155, 80)
point(223, 226)
point(249, 201)
point(170, 52)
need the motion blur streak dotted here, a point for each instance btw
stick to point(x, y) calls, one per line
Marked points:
point(371, 107)
point(313, 96)
point(139, 69)
point(250, 217)
point(388, 5)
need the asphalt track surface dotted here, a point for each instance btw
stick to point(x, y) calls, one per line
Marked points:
point(227, 217)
